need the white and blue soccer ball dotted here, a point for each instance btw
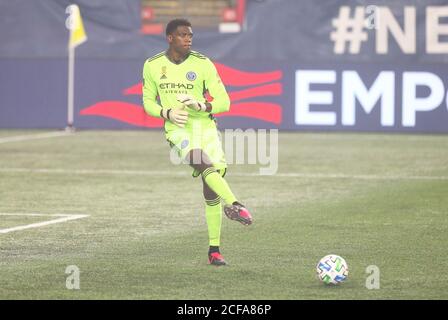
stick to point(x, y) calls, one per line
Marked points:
point(332, 269)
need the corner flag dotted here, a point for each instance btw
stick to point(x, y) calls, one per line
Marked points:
point(77, 36)
point(77, 32)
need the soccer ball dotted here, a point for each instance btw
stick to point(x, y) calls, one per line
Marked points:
point(332, 269)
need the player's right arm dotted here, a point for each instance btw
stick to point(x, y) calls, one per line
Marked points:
point(150, 93)
point(177, 116)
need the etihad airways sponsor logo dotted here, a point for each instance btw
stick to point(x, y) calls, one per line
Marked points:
point(169, 85)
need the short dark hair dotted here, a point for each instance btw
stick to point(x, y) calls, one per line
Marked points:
point(173, 24)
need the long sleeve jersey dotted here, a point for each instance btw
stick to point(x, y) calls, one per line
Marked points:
point(195, 75)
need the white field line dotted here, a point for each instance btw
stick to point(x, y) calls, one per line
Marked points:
point(63, 218)
point(183, 173)
point(34, 136)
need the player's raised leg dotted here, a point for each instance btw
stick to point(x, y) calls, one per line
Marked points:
point(233, 209)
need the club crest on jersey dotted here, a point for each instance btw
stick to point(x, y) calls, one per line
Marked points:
point(163, 72)
point(184, 144)
point(191, 75)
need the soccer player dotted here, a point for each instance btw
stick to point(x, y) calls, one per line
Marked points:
point(180, 77)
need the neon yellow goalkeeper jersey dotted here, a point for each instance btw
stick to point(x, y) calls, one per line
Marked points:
point(194, 76)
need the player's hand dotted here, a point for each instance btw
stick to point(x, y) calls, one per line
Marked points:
point(177, 116)
point(191, 102)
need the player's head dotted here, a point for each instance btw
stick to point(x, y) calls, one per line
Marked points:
point(179, 35)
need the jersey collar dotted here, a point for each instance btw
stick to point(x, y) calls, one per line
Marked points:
point(168, 58)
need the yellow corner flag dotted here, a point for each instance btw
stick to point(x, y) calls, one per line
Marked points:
point(77, 36)
point(77, 32)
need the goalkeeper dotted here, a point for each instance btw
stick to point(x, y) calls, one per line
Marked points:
point(180, 77)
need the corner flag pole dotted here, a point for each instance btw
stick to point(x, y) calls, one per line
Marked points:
point(71, 87)
point(77, 36)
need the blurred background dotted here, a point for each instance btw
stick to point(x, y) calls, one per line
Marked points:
point(287, 64)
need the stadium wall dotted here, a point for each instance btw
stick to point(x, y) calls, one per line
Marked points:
point(294, 67)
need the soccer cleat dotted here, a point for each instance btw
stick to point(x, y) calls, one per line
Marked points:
point(216, 259)
point(238, 212)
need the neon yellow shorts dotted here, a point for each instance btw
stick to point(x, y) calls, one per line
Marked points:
point(198, 134)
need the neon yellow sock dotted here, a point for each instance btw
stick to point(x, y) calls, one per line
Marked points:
point(213, 215)
point(219, 186)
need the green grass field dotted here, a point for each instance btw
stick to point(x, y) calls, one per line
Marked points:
point(374, 199)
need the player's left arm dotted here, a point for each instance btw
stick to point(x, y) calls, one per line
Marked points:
point(213, 84)
point(216, 89)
